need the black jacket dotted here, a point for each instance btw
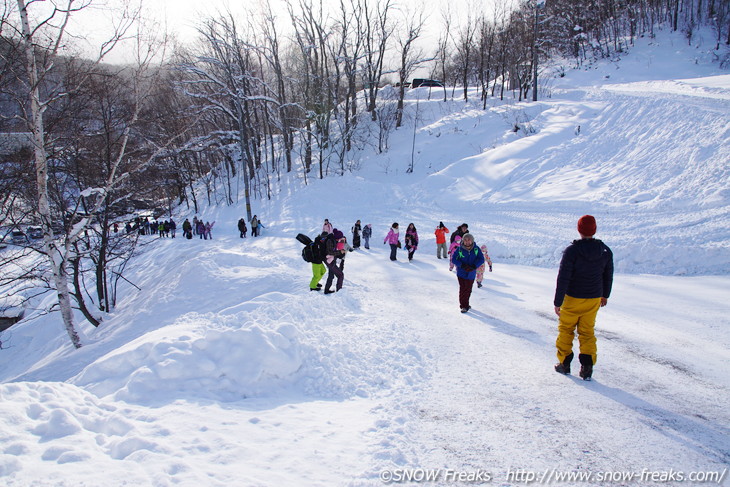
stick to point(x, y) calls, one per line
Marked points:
point(586, 271)
point(458, 233)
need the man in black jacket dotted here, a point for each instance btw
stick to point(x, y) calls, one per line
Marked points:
point(584, 285)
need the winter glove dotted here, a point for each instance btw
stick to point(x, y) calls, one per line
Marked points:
point(490, 268)
point(467, 268)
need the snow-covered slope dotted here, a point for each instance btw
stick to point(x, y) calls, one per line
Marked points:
point(225, 370)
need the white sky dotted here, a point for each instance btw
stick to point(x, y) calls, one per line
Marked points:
point(182, 16)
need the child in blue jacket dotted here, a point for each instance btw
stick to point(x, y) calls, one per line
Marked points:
point(467, 258)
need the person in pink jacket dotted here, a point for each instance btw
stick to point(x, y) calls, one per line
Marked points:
point(392, 239)
point(483, 267)
point(454, 245)
point(327, 226)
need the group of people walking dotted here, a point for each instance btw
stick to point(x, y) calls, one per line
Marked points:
point(163, 228)
point(584, 281)
point(393, 239)
point(204, 230)
point(198, 227)
point(256, 227)
point(331, 247)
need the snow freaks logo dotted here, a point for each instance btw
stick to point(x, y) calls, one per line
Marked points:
point(433, 475)
point(549, 476)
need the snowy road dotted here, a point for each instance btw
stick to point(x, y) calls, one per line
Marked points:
point(492, 402)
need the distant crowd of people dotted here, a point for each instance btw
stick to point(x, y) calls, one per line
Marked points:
point(197, 227)
point(164, 228)
point(168, 228)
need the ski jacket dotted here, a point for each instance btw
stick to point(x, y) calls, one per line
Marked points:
point(454, 246)
point(327, 227)
point(392, 237)
point(331, 249)
point(586, 271)
point(356, 229)
point(487, 260)
point(411, 240)
point(441, 235)
point(367, 231)
point(458, 233)
point(467, 261)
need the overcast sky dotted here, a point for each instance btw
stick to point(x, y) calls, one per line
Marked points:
point(181, 17)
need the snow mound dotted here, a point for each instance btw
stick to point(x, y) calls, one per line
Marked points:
point(229, 357)
point(199, 356)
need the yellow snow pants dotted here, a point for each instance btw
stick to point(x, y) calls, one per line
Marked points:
point(580, 314)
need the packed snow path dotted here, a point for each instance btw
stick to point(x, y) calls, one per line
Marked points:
point(491, 401)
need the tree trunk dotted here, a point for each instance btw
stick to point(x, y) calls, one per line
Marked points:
point(55, 255)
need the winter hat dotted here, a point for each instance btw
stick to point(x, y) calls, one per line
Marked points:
point(338, 234)
point(587, 225)
point(469, 236)
point(457, 238)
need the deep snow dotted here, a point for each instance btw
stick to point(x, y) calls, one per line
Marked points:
point(226, 370)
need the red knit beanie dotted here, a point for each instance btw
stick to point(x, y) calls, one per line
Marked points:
point(587, 225)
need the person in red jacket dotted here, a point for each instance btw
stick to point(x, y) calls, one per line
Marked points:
point(584, 284)
point(441, 232)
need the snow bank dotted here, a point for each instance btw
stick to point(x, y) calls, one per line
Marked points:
point(197, 357)
point(230, 357)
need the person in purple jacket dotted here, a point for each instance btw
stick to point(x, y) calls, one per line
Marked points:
point(392, 239)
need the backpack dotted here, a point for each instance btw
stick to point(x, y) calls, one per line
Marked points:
point(312, 249)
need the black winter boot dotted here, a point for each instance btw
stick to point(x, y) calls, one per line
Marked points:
point(586, 366)
point(564, 366)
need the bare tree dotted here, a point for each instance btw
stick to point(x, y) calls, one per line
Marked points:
point(273, 54)
point(377, 31)
point(53, 28)
point(410, 58)
point(350, 53)
point(464, 48)
point(486, 44)
point(443, 53)
point(224, 83)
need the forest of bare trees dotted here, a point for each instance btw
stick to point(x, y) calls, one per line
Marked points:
point(247, 104)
